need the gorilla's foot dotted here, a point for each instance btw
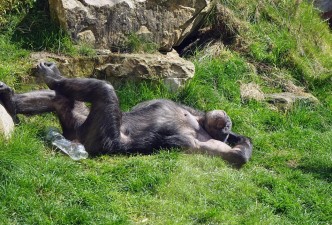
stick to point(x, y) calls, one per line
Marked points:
point(50, 74)
point(4, 88)
point(6, 99)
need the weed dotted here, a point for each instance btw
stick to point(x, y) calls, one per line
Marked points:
point(136, 44)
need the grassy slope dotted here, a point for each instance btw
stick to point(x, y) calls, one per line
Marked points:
point(288, 180)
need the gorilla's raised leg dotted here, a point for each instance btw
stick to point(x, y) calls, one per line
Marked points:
point(100, 132)
point(71, 113)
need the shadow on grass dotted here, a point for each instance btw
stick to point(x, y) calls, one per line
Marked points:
point(36, 31)
point(323, 172)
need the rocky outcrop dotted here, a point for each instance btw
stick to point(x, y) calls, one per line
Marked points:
point(251, 91)
point(170, 68)
point(109, 23)
point(283, 100)
point(6, 123)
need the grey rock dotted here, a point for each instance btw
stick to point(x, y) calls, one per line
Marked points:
point(169, 68)
point(285, 100)
point(86, 37)
point(111, 22)
point(251, 91)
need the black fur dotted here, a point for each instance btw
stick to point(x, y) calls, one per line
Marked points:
point(143, 125)
point(104, 129)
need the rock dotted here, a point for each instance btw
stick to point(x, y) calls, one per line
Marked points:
point(147, 66)
point(109, 23)
point(170, 68)
point(174, 84)
point(251, 91)
point(6, 123)
point(285, 100)
point(86, 37)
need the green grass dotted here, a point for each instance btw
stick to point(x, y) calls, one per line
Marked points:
point(138, 44)
point(287, 181)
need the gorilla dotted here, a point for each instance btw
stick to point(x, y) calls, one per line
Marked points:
point(103, 129)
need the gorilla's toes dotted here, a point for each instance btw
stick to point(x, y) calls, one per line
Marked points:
point(4, 87)
point(49, 73)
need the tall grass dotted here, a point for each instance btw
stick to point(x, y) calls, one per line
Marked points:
point(282, 34)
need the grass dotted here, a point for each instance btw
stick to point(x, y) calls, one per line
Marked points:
point(138, 44)
point(288, 180)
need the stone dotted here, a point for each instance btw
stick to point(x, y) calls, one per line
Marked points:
point(251, 91)
point(174, 84)
point(170, 68)
point(285, 100)
point(111, 22)
point(144, 33)
point(6, 123)
point(86, 37)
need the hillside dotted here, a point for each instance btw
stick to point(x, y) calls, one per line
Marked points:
point(277, 46)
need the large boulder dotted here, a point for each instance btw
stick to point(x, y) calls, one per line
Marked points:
point(108, 23)
point(169, 68)
point(6, 123)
